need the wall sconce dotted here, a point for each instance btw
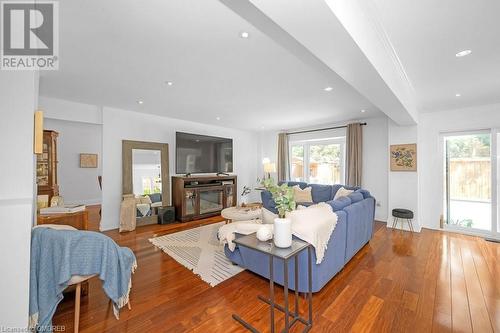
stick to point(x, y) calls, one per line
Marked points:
point(38, 133)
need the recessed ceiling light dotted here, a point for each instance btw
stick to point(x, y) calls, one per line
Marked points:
point(169, 83)
point(140, 101)
point(217, 118)
point(328, 89)
point(463, 53)
point(244, 34)
point(363, 111)
point(457, 95)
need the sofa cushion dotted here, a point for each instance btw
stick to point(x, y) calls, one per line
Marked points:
point(302, 195)
point(321, 193)
point(355, 197)
point(340, 203)
point(365, 193)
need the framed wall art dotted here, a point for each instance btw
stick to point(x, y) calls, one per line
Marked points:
point(88, 160)
point(403, 157)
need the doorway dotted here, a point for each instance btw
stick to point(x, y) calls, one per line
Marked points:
point(470, 173)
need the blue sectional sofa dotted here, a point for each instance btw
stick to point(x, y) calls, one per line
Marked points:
point(354, 229)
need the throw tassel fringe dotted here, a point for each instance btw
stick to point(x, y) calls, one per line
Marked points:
point(123, 300)
point(33, 321)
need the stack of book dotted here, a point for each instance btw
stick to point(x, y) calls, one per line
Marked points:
point(65, 209)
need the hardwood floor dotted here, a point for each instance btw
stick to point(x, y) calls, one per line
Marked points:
point(400, 282)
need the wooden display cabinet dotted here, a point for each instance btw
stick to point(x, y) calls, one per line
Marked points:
point(46, 166)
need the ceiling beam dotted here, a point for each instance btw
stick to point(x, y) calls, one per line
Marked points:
point(339, 42)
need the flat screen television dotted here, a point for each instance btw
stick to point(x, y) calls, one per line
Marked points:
point(202, 154)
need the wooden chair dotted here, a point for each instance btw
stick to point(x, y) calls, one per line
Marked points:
point(78, 280)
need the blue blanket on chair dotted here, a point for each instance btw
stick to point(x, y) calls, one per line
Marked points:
point(57, 255)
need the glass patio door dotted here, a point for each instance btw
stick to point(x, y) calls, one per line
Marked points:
point(470, 181)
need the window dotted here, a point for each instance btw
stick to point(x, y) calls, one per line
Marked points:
point(297, 163)
point(318, 161)
point(146, 185)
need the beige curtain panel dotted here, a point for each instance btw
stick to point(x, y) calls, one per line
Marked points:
point(283, 168)
point(354, 156)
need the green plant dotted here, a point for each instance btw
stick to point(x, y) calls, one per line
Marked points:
point(462, 223)
point(246, 191)
point(282, 196)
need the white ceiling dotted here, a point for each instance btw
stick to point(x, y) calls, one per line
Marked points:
point(113, 53)
point(427, 34)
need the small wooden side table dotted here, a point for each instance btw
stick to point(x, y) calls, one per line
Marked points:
point(78, 220)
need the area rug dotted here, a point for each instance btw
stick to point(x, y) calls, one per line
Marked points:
point(199, 250)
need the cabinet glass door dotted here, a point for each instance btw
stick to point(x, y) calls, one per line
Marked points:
point(190, 202)
point(210, 201)
point(229, 195)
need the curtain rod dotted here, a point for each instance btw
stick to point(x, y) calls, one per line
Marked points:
point(321, 129)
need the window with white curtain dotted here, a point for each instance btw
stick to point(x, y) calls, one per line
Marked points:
point(318, 161)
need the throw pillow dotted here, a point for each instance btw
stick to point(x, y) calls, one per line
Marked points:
point(146, 200)
point(268, 216)
point(302, 195)
point(342, 192)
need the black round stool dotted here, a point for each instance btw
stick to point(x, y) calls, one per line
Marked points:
point(403, 214)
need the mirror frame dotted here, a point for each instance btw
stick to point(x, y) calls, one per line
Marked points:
point(127, 183)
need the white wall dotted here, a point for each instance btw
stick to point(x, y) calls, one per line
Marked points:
point(403, 186)
point(72, 111)
point(18, 95)
point(77, 185)
point(121, 125)
point(430, 128)
point(267, 148)
point(375, 155)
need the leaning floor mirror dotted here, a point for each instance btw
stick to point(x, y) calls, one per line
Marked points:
point(145, 178)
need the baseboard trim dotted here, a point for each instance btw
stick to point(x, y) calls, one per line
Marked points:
point(494, 240)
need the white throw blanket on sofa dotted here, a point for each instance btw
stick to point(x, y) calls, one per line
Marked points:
point(227, 231)
point(313, 224)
